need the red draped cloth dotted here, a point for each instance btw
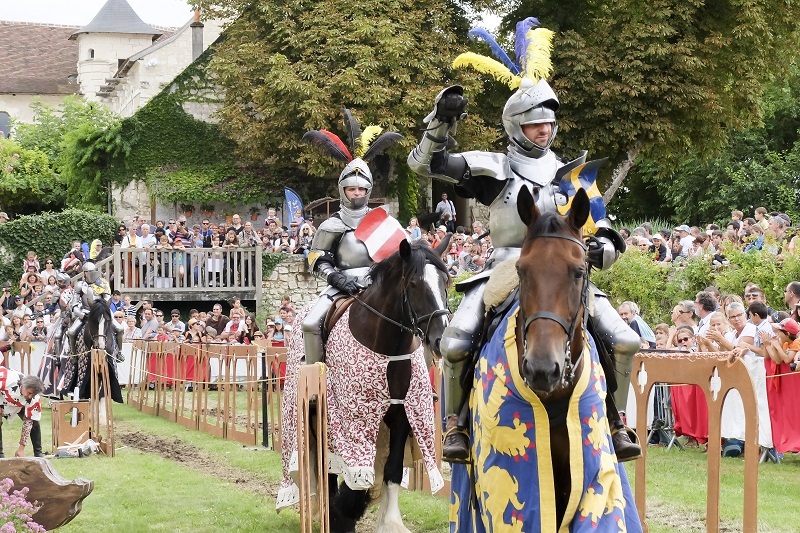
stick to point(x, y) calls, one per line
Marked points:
point(691, 412)
point(783, 396)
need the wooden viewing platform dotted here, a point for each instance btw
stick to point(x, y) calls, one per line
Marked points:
point(187, 275)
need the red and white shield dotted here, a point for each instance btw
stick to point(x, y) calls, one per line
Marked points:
point(381, 234)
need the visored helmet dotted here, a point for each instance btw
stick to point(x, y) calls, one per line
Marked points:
point(531, 104)
point(62, 279)
point(355, 174)
point(90, 272)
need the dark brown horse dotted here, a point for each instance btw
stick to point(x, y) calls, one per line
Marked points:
point(554, 278)
point(404, 306)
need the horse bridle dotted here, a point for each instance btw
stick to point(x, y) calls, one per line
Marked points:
point(568, 370)
point(410, 314)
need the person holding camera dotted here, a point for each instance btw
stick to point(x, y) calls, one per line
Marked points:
point(6, 300)
point(284, 244)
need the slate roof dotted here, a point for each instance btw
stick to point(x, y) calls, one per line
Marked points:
point(117, 16)
point(37, 58)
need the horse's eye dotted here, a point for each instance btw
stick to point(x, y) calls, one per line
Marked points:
point(579, 273)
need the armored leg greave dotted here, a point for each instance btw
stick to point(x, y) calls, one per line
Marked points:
point(458, 345)
point(72, 334)
point(620, 340)
point(312, 327)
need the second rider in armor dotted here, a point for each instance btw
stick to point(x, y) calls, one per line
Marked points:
point(495, 179)
point(336, 254)
point(84, 294)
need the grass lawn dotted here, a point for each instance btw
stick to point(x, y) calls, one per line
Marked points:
point(167, 478)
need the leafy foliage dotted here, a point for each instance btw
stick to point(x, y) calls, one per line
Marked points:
point(268, 263)
point(666, 77)
point(49, 235)
point(290, 67)
point(27, 181)
point(656, 288)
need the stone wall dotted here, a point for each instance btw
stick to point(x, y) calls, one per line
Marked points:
point(293, 277)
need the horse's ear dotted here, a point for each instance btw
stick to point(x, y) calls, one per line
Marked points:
point(526, 207)
point(443, 246)
point(579, 210)
point(405, 250)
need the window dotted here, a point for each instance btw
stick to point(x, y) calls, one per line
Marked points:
point(91, 53)
point(5, 124)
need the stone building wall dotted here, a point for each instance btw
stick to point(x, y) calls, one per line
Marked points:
point(293, 277)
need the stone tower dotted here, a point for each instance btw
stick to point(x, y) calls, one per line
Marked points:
point(113, 35)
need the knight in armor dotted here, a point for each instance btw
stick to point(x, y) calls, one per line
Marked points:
point(336, 254)
point(64, 297)
point(93, 286)
point(495, 179)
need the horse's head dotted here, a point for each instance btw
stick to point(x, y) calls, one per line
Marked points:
point(554, 276)
point(416, 279)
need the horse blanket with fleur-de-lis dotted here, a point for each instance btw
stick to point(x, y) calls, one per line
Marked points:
point(512, 469)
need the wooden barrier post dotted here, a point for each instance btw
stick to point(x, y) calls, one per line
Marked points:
point(712, 373)
point(99, 378)
point(310, 385)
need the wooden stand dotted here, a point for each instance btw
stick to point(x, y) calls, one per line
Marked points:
point(63, 430)
point(310, 386)
point(712, 373)
point(101, 419)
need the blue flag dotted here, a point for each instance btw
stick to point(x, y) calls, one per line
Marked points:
point(293, 203)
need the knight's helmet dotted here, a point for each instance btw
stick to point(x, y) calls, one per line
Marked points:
point(90, 272)
point(62, 279)
point(365, 145)
point(534, 101)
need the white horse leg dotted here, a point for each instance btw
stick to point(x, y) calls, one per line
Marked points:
point(389, 517)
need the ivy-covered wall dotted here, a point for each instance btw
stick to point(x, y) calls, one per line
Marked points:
point(189, 161)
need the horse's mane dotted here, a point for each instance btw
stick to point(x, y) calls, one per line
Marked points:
point(99, 308)
point(548, 223)
point(392, 267)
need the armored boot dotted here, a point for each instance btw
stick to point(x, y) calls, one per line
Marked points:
point(617, 345)
point(455, 448)
point(36, 439)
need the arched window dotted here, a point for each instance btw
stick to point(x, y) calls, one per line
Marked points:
point(5, 124)
point(91, 53)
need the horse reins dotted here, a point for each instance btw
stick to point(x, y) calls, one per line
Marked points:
point(568, 371)
point(410, 314)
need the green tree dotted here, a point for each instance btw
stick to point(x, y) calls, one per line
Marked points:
point(291, 66)
point(50, 125)
point(661, 78)
point(27, 181)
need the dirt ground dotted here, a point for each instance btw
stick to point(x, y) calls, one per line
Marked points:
point(191, 457)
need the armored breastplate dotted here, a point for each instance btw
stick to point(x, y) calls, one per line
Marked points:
point(351, 253)
point(507, 229)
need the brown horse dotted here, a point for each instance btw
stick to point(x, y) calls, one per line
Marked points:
point(552, 315)
point(542, 453)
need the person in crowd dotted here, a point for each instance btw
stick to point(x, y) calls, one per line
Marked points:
point(713, 339)
point(285, 244)
point(446, 207)
point(195, 333)
point(272, 217)
point(20, 308)
point(51, 284)
point(179, 259)
point(234, 327)
point(413, 230)
point(19, 396)
point(704, 305)
point(248, 331)
point(230, 263)
point(684, 339)
point(116, 303)
point(304, 239)
point(629, 312)
point(175, 322)
point(48, 270)
point(279, 335)
point(686, 241)
point(297, 221)
point(754, 237)
point(95, 249)
point(31, 260)
point(39, 331)
point(26, 329)
point(149, 328)
point(784, 346)
point(131, 331)
point(26, 286)
point(217, 320)
point(659, 249)
point(661, 331)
